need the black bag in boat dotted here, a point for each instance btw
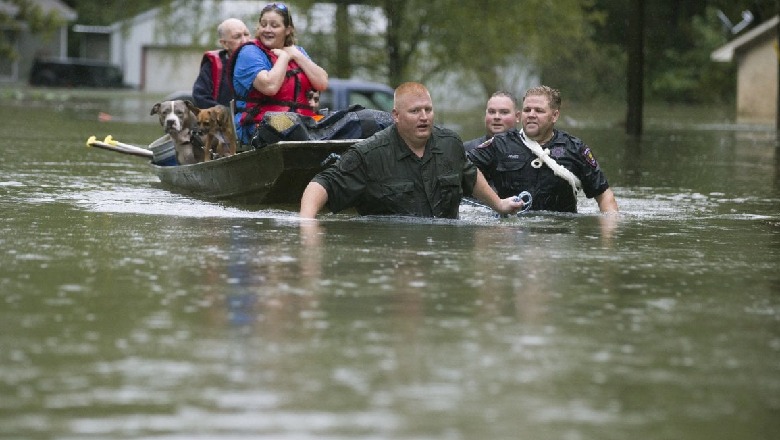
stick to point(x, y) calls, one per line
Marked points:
point(356, 122)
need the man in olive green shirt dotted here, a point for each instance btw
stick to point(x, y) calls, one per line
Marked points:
point(410, 168)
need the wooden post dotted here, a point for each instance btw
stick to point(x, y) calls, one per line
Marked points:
point(635, 68)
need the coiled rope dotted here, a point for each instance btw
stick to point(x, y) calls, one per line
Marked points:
point(527, 199)
point(543, 157)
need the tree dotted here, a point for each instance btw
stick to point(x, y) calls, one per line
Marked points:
point(389, 54)
point(336, 46)
point(105, 12)
point(635, 68)
point(679, 37)
point(31, 14)
point(578, 46)
point(485, 41)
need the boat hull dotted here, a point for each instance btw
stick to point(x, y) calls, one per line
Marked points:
point(275, 174)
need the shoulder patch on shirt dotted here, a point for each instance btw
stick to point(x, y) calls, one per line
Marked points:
point(587, 154)
point(349, 162)
point(486, 143)
point(558, 152)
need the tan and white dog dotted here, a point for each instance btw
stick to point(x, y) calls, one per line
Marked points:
point(216, 127)
point(179, 121)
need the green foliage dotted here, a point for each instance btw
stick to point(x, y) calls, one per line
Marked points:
point(367, 56)
point(577, 46)
point(575, 62)
point(427, 38)
point(679, 37)
point(593, 72)
point(683, 79)
point(105, 12)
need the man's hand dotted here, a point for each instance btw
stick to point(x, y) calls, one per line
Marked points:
point(484, 193)
point(509, 205)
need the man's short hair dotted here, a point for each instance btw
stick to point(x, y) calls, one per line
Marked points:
point(504, 94)
point(410, 88)
point(552, 95)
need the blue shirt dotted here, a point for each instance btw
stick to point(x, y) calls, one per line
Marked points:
point(250, 61)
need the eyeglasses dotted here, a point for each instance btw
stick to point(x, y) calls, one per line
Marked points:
point(277, 6)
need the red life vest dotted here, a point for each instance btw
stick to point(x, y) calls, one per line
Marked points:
point(216, 70)
point(291, 96)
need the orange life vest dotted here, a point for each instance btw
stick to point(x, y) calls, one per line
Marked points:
point(216, 70)
point(291, 96)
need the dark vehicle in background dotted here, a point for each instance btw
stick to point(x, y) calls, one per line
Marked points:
point(75, 72)
point(341, 93)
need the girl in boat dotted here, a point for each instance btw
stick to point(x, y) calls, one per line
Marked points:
point(272, 73)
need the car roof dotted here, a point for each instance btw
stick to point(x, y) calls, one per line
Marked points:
point(358, 84)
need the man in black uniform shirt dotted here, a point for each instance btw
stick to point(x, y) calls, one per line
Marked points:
point(548, 163)
point(410, 168)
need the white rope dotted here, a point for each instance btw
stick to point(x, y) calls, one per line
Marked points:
point(544, 156)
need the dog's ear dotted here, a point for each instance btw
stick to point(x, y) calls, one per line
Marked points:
point(156, 109)
point(191, 107)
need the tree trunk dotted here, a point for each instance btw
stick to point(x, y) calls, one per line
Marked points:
point(343, 37)
point(635, 70)
point(394, 12)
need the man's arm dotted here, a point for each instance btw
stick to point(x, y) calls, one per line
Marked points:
point(484, 193)
point(607, 202)
point(203, 88)
point(313, 200)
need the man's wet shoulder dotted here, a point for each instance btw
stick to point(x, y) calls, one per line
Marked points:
point(444, 132)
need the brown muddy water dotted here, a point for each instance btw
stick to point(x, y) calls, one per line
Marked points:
point(131, 312)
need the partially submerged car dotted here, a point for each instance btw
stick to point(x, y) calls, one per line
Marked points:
point(75, 72)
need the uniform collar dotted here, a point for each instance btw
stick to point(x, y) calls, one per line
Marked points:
point(402, 150)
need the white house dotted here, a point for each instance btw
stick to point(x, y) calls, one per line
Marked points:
point(160, 51)
point(28, 45)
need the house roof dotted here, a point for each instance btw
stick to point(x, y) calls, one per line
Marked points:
point(83, 28)
point(725, 53)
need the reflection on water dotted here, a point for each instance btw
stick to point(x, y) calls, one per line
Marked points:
point(132, 312)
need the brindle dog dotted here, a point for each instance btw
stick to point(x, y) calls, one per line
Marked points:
point(179, 121)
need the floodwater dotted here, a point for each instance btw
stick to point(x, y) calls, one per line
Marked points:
point(130, 312)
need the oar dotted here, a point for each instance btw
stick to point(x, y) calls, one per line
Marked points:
point(113, 145)
point(110, 140)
